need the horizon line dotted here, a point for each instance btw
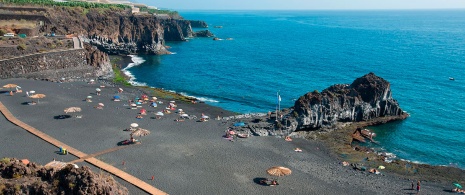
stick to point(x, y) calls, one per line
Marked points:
point(362, 9)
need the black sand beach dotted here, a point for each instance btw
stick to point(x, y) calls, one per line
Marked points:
point(188, 157)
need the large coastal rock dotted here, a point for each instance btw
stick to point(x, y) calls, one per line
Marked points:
point(367, 98)
point(17, 177)
point(367, 101)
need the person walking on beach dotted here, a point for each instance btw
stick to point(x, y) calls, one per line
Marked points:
point(418, 186)
point(413, 185)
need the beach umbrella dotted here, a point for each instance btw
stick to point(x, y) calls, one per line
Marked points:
point(37, 96)
point(143, 110)
point(101, 104)
point(159, 114)
point(140, 132)
point(92, 80)
point(32, 92)
point(72, 109)
point(184, 115)
point(457, 185)
point(116, 97)
point(153, 104)
point(89, 97)
point(120, 89)
point(239, 124)
point(134, 125)
point(205, 117)
point(98, 89)
point(278, 171)
point(172, 101)
point(154, 98)
point(10, 86)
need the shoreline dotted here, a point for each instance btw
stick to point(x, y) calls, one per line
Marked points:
point(401, 167)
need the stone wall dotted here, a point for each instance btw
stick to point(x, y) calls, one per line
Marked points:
point(70, 64)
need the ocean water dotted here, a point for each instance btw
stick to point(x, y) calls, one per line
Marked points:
point(295, 52)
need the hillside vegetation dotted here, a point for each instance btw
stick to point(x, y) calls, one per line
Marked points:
point(66, 4)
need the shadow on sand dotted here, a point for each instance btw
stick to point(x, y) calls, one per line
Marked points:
point(258, 180)
point(63, 116)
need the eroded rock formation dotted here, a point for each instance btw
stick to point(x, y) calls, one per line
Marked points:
point(367, 98)
point(18, 178)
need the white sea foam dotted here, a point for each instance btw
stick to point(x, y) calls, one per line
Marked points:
point(203, 99)
point(136, 61)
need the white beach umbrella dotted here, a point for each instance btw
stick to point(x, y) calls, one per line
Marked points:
point(134, 105)
point(98, 89)
point(101, 104)
point(72, 109)
point(205, 117)
point(134, 125)
point(184, 115)
point(159, 114)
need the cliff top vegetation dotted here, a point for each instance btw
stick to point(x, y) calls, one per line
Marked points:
point(66, 4)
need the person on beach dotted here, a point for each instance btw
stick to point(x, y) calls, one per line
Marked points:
point(413, 185)
point(418, 186)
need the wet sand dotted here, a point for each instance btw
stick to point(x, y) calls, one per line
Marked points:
point(188, 157)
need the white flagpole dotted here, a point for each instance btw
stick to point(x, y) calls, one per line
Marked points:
point(279, 102)
point(277, 94)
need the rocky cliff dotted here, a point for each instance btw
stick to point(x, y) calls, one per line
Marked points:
point(17, 177)
point(118, 31)
point(367, 98)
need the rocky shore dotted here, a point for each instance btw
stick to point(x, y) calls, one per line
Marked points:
point(24, 177)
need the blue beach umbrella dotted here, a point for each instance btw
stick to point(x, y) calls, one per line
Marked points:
point(153, 104)
point(458, 185)
point(116, 97)
point(239, 124)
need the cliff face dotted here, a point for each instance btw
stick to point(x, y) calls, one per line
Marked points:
point(367, 98)
point(119, 32)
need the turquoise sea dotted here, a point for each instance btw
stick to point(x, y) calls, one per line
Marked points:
point(295, 52)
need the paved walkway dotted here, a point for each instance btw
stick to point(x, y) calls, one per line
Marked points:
point(102, 165)
point(100, 153)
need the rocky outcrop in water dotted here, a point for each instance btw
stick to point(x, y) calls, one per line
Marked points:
point(203, 33)
point(367, 98)
point(198, 24)
point(17, 177)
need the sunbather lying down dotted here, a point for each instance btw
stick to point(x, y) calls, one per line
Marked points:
point(270, 182)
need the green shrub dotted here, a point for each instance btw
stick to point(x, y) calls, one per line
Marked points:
point(16, 175)
point(17, 188)
point(5, 160)
point(22, 46)
point(2, 32)
point(295, 114)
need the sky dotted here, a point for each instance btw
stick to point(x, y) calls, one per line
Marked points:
point(303, 4)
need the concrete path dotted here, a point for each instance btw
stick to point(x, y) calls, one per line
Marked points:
point(100, 153)
point(102, 165)
point(77, 43)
